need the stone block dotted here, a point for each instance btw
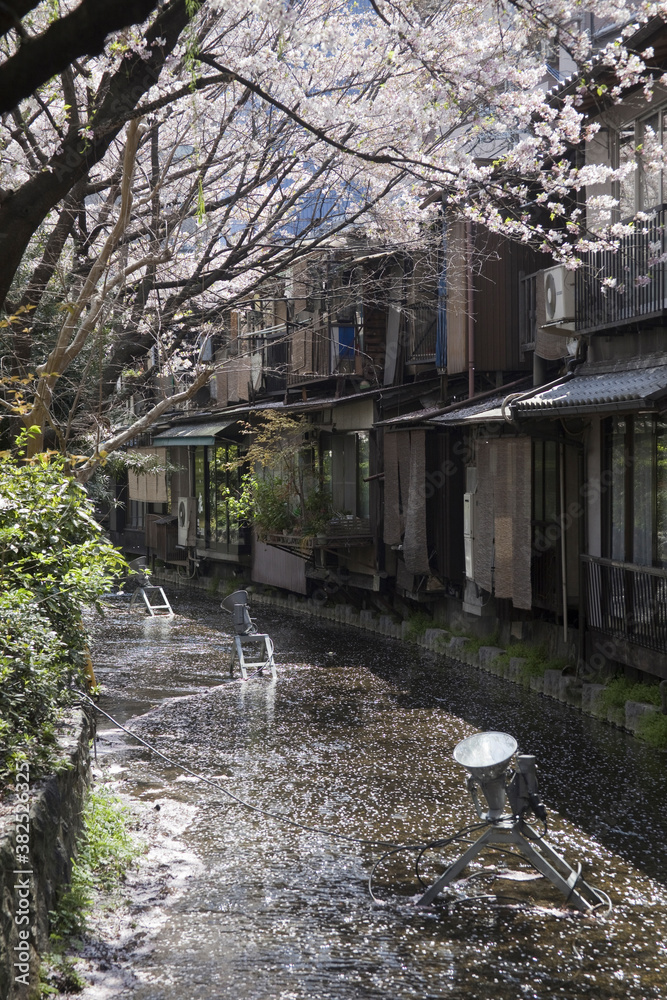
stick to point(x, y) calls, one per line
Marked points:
point(635, 711)
point(591, 699)
point(572, 692)
point(55, 822)
point(435, 638)
point(487, 656)
point(456, 646)
point(616, 716)
point(367, 619)
point(471, 656)
point(515, 669)
point(553, 684)
point(405, 632)
point(536, 683)
point(385, 624)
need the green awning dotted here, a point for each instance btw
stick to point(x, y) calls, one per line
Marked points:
point(191, 435)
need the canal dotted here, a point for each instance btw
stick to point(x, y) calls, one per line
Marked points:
point(355, 737)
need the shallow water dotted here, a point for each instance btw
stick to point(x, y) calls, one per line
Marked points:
point(356, 737)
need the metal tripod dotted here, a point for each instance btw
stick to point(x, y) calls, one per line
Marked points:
point(510, 831)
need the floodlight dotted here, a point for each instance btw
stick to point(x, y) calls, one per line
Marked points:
point(512, 797)
point(485, 756)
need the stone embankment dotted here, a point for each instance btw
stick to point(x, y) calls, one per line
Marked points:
point(562, 685)
point(30, 879)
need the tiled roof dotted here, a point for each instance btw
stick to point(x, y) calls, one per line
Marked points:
point(604, 392)
point(486, 409)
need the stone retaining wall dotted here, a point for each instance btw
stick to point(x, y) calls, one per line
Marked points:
point(54, 825)
point(562, 686)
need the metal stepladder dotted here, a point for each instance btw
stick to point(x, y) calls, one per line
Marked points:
point(146, 591)
point(247, 635)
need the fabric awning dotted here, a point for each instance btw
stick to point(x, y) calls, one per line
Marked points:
point(191, 435)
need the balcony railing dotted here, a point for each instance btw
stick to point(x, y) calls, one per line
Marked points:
point(528, 311)
point(342, 532)
point(627, 601)
point(635, 276)
point(275, 366)
point(421, 325)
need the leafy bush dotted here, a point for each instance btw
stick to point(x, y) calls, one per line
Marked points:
point(35, 672)
point(620, 689)
point(417, 625)
point(53, 560)
point(104, 852)
point(475, 643)
point(536, 657)
point(653, 729)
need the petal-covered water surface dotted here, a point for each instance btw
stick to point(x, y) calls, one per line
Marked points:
point(356, 737)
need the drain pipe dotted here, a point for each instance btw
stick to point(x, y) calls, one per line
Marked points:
point(516, 396)
point(563, 540)
point(471, 318)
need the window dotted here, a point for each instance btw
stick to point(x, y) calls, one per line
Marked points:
point(636, 499)
point(223, 525)
point(645, 185)
point(345, 467)
point(136, 514)
point(217, 527)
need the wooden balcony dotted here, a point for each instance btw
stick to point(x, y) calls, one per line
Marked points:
point(342, 532)
point(638, 275)
point(627, 602)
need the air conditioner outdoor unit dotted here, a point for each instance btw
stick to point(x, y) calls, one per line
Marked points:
point(558, 295)
point(469, 534)
point(187, 507)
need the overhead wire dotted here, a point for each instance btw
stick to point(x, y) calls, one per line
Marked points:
point(282, 817)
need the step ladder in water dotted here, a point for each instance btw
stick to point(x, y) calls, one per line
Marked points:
point(259, 665)
point(148, 594)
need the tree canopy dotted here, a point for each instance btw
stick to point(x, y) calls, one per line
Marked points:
point(160, 167)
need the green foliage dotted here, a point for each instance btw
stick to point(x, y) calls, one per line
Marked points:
point(284, 491)
point(106, 850)
point(417, 625)
point(318, 511)
point(35, 672)
point(620, 689)
point(273, 505)
point(53, 561)
point(537, 660)
point(474, 644)
point(653, 729)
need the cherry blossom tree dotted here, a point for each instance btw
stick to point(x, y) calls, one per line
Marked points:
point(150, 187)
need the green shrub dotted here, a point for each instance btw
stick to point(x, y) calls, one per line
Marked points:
point(537, 660)
point(653, 729)
point(417, 625)
point(620, 689)
point(36, 671)
point(105, 851)
point(53, 560)
point(475, 643)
